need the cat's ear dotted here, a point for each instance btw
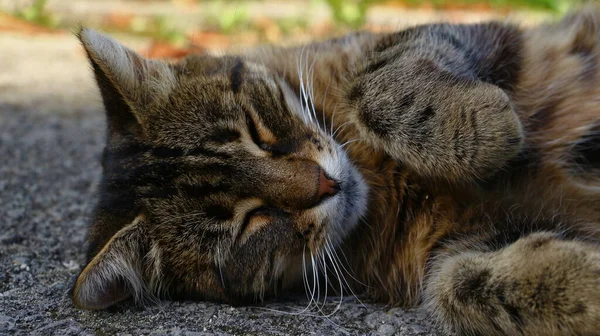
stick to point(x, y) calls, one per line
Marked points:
point(114, 274)
point(129, 84)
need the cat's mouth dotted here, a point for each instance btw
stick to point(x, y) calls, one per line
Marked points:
point(341, 211)
point(338, 214)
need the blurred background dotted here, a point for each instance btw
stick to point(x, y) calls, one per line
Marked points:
point(173, 28)
point(42, 65)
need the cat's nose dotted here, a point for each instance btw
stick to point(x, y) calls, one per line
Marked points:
point(327, 186)
point(297, 184)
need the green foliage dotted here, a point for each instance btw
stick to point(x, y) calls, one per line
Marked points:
point(288, 24)
point(159, 27)
point(554, 5)
point(227, 16)
point(352, 13)
point(38, 14)
point(551, 5)
point(164, 30)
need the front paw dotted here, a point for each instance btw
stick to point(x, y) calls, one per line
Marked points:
point(539, 285)
point(437, 124)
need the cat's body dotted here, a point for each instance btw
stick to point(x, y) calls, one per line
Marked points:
point(471, 182)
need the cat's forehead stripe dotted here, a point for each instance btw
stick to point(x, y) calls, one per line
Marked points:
point(138, 149)
point(235, 77)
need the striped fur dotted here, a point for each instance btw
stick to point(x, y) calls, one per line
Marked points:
point(466, 157)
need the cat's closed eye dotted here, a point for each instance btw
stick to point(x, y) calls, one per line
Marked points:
point(226, 136)
point(254, 219)
point(254, 133)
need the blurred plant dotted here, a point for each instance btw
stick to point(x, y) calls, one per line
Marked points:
point(159, 28)
point(559, 6)
point(352, 13)
point(553, 5)
point(38, 14)
point(288, 25)
point(165, 31)
point(228, 16)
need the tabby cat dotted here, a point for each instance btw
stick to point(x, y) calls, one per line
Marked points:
point(454, 166)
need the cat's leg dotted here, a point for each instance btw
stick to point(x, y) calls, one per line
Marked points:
point(539, 285)
point(437, 124)
point(436, 98)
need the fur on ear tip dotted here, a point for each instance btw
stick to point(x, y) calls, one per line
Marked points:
point(98, 298)
point(100, 284)
point(94, 40)
point(78, 30)
point(114, 274)
point(138, 80)
point(83, 33)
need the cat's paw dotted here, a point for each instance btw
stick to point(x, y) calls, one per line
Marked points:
point(539, 285)
point(435, 122)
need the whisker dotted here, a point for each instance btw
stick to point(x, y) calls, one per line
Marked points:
point(335, 269)
point(340, 128)
point(311, 74)
point(333, 119)
point(302, 90)
point(305, 276)
point(348, 142)
point(323, 109)
point(341, 263)
point(316, 287)
point(324, 266)
point(344, 278)
point(219, 264)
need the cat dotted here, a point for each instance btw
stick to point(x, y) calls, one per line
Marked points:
point(453, 166)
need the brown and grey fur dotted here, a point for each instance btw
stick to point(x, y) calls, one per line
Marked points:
point(467, 159)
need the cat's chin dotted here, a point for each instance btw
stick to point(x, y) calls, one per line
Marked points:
point(339, 215)
point(343, 211)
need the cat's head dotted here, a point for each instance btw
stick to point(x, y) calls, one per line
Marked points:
point(215, 187)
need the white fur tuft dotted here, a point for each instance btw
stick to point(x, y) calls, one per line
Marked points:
point(134, 75)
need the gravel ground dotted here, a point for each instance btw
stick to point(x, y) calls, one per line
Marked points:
point(51, 135)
